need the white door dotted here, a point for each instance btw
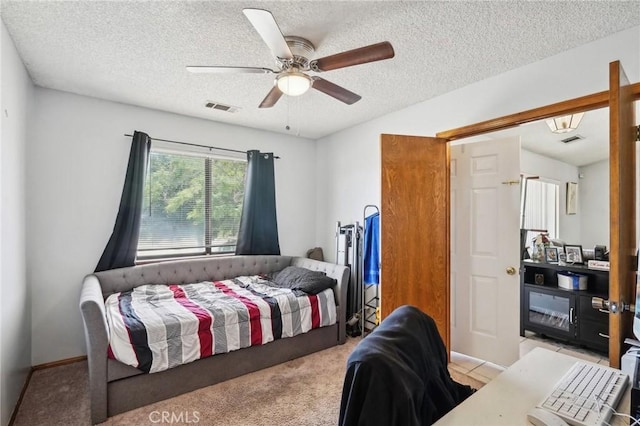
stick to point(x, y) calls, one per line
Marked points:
point(485, 241)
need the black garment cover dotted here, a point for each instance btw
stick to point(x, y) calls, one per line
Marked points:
point(397, 376)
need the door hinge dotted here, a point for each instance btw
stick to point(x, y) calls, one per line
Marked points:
point(637, 133)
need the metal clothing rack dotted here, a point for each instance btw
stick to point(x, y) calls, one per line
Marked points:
point(370, 312)
point(348, 253)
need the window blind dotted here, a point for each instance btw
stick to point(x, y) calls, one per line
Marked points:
point(541, 207)
point(192, 205)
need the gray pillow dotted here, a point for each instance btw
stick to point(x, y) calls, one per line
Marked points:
point(302, 280)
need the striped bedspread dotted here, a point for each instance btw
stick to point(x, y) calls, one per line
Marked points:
point(156, 327)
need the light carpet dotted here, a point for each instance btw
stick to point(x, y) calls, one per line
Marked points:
point(304, 391)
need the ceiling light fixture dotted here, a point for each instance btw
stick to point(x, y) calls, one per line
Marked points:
point(293, 83)
point(566, 123)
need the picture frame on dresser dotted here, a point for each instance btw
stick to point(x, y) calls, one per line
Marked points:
point(573, 253)
point(551, 254)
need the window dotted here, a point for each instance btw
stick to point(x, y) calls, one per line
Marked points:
point(192, 205)
point(541, 207)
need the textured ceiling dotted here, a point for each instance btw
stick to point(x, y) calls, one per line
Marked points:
point(135, 52)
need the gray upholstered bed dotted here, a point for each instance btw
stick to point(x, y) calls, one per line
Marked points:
point(116, 387)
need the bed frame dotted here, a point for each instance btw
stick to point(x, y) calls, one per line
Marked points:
point(115, 387)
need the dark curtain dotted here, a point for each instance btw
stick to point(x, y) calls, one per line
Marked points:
point(258, 232)
point(123, 244)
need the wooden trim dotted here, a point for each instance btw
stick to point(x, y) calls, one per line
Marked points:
point(584, 103)
point(19, 402)
point(635, 91)
point(623, 207)
point(59, 363)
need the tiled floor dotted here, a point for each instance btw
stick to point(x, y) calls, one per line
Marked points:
point(486, 371)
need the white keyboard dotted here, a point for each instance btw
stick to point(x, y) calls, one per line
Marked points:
point(586, 394)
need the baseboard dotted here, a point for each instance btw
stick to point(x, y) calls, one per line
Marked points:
point(36, 368)
point(59, 363)
point(24, 390)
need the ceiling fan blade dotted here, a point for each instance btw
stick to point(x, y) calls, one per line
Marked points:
point(228, 70)
point(362, 55)
point(333, 90)
point(266, 25)
point(272, 97)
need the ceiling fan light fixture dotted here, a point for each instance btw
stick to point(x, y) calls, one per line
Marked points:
point(566, 123)
point(293, 83)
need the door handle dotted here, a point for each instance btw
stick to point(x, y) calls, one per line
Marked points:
point(600, 304)
point(511, 270)
point(604, 305)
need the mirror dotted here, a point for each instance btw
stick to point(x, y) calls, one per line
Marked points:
point(578, 162)
point(540, 206)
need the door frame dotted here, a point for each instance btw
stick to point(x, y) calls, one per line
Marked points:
point(571, 106)
point(582, 104)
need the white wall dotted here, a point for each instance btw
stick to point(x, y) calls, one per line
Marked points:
point(593, 199)
point(77, 162)
point(349, 161)
point(560, 173)
point(15, 314)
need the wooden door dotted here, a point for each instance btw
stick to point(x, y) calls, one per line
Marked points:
point(622, 207)
point(414, 224)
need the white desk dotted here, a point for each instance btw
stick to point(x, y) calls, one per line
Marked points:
point(506, 399)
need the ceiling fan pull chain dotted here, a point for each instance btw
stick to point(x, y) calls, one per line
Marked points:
point(288, 104)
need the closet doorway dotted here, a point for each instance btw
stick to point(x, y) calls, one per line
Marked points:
point(406, 184)
point(533, 151)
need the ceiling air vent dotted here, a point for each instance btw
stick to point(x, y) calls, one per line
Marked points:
point(572, 139)
point(221, 107)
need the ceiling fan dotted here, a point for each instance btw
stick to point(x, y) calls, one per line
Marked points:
point(292, 58)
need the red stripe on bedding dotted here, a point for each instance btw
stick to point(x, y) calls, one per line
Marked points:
point(315, 311)
point(204, 320)
point(254, 312)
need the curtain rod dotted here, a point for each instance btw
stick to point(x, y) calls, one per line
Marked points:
point(195, 144)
